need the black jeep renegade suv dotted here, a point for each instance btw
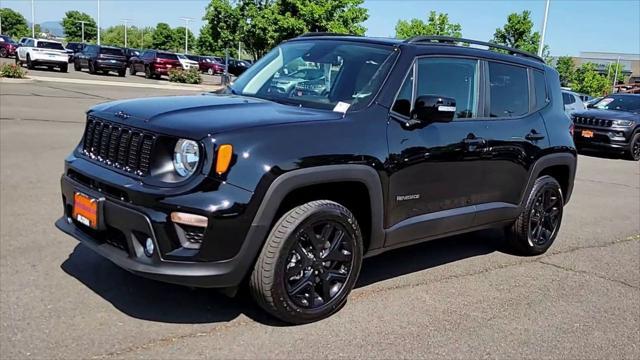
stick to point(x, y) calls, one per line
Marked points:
point(289, 182)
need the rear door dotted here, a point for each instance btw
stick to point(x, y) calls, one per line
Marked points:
point(515, 135)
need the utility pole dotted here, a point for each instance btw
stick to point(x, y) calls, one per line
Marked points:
point(142, 38)
point(544, 29)
point(82, 22)
point(98, 22)
point(33, 19)
point(186, 33)
point(126, 22)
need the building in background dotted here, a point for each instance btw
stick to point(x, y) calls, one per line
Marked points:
point(603, 60)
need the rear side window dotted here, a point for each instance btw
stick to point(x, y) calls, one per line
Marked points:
point(167, 56)
point(540, 87)
point(509, 90)
point(50, 45)
point(567, 98)
point(111, 51)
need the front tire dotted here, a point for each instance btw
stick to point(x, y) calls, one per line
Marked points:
point(92, 68)
point(76, 66)
point(147, 72)
point(122, 72)
point(634, 148)
point(309, 263)
point(537, 226)
point(4, 53)
point(210, 71)
point(30, 65)
point(132, 70)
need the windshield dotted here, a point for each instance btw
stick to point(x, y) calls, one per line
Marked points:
point(629, 103)
point(50, 45)
point(325, 74)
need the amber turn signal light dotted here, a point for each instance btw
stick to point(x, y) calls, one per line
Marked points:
point(189, 219)
point(223, 160)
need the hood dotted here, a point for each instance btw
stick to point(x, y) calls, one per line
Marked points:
point(197, 116)
point(608, 114)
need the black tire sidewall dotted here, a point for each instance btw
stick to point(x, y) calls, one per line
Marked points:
point(634, 138)
point(541, 184)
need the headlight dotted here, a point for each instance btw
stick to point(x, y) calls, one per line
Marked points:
point(186, 156)
point(622, 122)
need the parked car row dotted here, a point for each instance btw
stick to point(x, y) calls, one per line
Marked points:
point(104, 59)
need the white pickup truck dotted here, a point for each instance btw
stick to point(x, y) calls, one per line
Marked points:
point(41, 52)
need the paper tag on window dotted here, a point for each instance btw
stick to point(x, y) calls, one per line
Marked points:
point(341, 107)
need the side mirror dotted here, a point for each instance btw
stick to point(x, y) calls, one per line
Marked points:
point(433, 108)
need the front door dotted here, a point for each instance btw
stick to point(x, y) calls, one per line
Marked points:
point(435, 168)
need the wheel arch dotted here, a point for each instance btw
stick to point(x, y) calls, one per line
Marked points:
point(560, 166)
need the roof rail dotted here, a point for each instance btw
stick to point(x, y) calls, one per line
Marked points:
point(454, 41)
point(312, 34)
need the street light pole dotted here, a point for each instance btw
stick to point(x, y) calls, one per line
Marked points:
point(82, 23)
point(615, 77)
point(33, 19)
point(544, 29)
point(126, 22)
point(186, 33)
point(98, 22)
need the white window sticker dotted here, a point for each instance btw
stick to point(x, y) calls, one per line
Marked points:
point(341, 107)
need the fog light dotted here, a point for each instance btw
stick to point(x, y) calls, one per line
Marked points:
point(149, 247)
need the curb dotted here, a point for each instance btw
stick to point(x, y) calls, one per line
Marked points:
point(15, 81)
point(186, 87)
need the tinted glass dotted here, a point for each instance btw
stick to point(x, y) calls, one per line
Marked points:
point(452, 78)
point(509, 90)
point(540, 87)
point(567, 98)
point(50, 45)
point(111, 51)
point(340, 63)
point(402, 105)
point(167, 56)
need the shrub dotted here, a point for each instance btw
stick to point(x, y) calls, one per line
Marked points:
point(12, 71)
point(191, 76)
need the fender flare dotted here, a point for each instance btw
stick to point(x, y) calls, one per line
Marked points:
point(566, 159)
point(296, 179)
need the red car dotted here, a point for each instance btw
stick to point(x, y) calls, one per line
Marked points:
point(154, 63)
point(7, 46)
point(210, 66)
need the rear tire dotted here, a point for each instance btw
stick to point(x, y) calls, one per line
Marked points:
point(147, 72)
point(30, 65)
point(4, 53)
point(92, 68)
point(132, 70)
point(76, 66)
point(64, 68)
point(537, 226)
point(309, 263)
point(634, 148)
point(122, 72)
point(210, 71)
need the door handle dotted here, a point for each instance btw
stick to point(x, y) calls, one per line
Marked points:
point(534, 136)
point(475, 144)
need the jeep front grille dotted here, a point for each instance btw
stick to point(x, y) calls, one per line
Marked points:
point(581, 120)
point(119, 146)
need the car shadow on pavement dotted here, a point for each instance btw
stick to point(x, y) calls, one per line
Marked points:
point(157, 301)
point(613, 155)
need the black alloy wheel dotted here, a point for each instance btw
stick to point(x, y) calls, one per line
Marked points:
point(3, 53)
point(545, 217)
point(318, 265)
point(309, 263)
point(147, 72)
point(535, 230)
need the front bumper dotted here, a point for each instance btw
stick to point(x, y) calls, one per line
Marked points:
point(126, 227)
point(614, 138)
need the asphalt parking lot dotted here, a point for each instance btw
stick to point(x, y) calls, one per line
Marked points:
point(460, 297)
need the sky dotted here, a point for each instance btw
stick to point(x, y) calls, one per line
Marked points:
point(573, 26)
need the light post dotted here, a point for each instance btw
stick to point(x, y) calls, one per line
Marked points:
point(82, 22)
point(186, 33)
point(544, 29)
point(33, 19)
point(126, 22)
point(98, 22)
point(615, 77)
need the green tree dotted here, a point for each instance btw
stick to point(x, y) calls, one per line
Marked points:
point(163, 37)
point(611, 73)
point(436, 24)
point(258, 27)
point(566, 69)
point(222, 22)
point(73, 28)
point(518, 33)
point(589, 81)
point(178, 40)
point(14, 24)
point(205, 44)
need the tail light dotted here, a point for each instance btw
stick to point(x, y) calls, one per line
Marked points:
point(571, 128)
